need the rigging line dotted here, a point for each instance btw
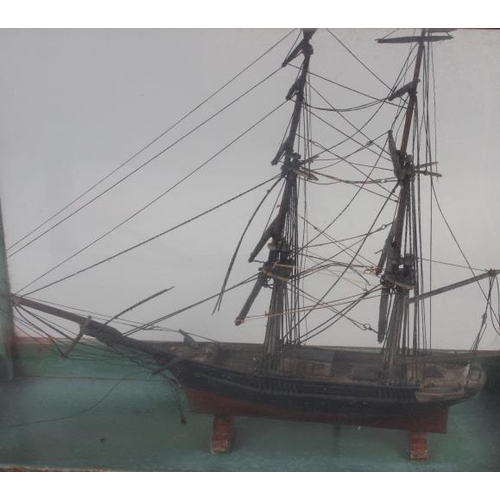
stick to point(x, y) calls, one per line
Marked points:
point(16, 322)
point(347, 250)
point(322, 232)
point(389, 34)
point(36, 339)
point(129, 322)
point(349, 203)
point(308, 153)
point(362, 184)
point(358, 236)
point(294, 44)
point(495, 317)
point(323, 305)
point(343, 248)
point(362, 146)
point(109, 361)
point(20, 308)
point(431, 201)
point(326, 270)
point(339, 181)
point(192, 334)
point(451, 264)
point(195, 304)
point(358, 324)
point(358, 131)
point(484, 318)
point(137, 304)
point(359, 60)
point(148, 240)
point(84, 356)
point(402, 73)
point(351, 137)
point(141, 359)
point(95, 351)
point(354, 256)
point(153, 201)
point(320, 263)
point(77, 414)
point(343, 110)
point(344, 158)
point(235, 253)
point(341, 314)
point(27, 321)
point(349, 88)
point(454, 237)
point(340, 159)
point(345, 181)
point(152, 141)
point(335, 161)
point(171, 145)
point(330, 262)
point(96, 315)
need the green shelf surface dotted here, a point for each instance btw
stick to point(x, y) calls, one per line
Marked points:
point(111, 414)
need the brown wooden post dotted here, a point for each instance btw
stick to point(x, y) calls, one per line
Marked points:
point(222, 434)
point(418, 445)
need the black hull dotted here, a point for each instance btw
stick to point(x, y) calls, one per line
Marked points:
point(217, 390)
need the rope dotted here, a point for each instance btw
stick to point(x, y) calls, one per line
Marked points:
point(353, 258)
point(77, 414)
point(148, 205)
point(349, 88)
point(349, 203)
point(137, 169)
point(359, 60)
point(152, 141)
point(187, 308)
point(341, 314)
point(235, 253)
point(482, 327)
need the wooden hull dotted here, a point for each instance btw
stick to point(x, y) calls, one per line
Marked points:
point(433, 420)
point(227, 385)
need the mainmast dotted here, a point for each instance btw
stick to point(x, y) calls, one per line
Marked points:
point(278, 271)
point(399, 265)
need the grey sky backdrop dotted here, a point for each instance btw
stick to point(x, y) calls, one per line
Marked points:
point(75, 104)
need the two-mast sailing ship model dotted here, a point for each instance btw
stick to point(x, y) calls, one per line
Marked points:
point(402, 385)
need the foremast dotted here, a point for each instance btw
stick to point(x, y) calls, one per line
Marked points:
point(278, 271)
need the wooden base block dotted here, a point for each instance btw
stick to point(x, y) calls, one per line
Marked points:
point(418, 445)
point(222, 434)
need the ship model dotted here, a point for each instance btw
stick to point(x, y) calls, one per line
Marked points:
point(403, 384)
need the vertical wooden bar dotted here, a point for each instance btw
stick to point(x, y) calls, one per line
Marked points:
point(6, 316)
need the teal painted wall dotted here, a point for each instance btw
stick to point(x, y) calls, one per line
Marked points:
point(6, 321)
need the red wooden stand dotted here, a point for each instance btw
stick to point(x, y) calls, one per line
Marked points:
point(222, 434)
point(418, 424)
point(418, 445)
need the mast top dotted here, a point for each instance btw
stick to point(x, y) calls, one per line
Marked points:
point(304, 46)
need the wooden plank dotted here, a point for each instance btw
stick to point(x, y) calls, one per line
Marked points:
point(459, 284)
point(414, 39)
